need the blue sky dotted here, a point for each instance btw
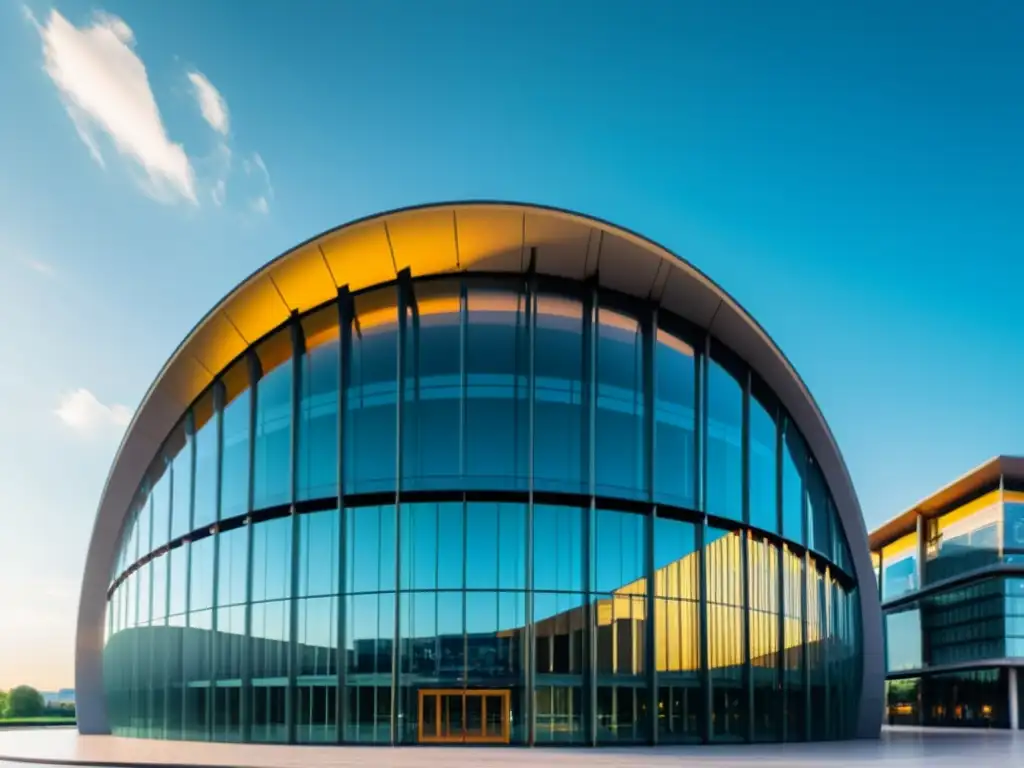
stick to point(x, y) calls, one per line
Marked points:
point(850, 172)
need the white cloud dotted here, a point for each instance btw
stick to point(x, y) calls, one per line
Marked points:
point(41, 267)
point(105, 88)
point(254, 166)
point(211, 103)
point(84, 413)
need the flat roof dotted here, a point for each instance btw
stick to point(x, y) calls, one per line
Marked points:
point(961, 489)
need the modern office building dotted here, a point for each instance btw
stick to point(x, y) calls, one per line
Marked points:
point(951, 580)
point(479, 472)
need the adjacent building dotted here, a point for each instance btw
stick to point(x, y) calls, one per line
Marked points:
point(471, 473)
point(951, 581)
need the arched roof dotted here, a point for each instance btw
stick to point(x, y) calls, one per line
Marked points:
point(477, 236)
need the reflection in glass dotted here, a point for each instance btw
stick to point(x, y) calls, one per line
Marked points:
point(763, 458)
point(561, 458)
point(903, 640)
point(432, 406)
point(724, 444)
point(317, 461)
point(206, 419)
point(497, 386)
point(271, 476)
point(435, 589)
point(794, 467)
point(620, 406)
point(675, 415)
point(965, 538)
point(899, 567)
point(371, 397)
point(234, 486)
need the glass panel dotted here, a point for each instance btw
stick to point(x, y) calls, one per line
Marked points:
point(317, 668)
point(234, 499)
point(201, 581)
point(559, 714)
point(318, 407)
point(229, 656)
point(1014, 618)
point(234, 549)
point(494, 621)
point(370, 405)
point(793, 675)
point(726, 654)
point(158, 575)
point(794, 467)
point(819, 534)
point(272, 452)
point(964, 624)
point(725, 444)
point(269, 653)
point(143, 527)
point(901, 701)
point(197, 668)
point(816, 628)
point(763, 589)
point(179, 580)
point(763, 464)
point(271, 559)
point(619, 553)
point(495, 546)
point(561, 454)
point(371, 549)
point(181, 475)
point(675, 415)
point(1013, 529)
point(620, 406)
point(899, 567)
point(432, 410)
point(975, 698)
point(558, 548)
point(318, 553)
point(205, 505)
point(677, 630)
point(903, 640)
point(963, 539)
point(497, 391)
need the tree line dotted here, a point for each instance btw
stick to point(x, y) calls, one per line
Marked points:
point(25, 701)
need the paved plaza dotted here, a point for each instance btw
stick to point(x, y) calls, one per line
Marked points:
point(905, 747)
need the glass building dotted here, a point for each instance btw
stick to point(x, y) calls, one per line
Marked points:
point(479, 473)
point(951, 581)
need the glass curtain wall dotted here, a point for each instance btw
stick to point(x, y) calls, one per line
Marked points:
point(338, 543)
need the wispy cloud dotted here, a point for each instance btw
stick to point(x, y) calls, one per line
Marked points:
point(105, 89)
point(41, 267)
point(211, 103)
point(83, 412)
point(255, 168)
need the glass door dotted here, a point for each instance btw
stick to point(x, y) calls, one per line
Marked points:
point(464, 717)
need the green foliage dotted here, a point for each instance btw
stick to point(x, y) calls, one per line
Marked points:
point(3, 703)
point(24, 701)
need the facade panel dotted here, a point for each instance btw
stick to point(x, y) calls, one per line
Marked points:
point(485, 509)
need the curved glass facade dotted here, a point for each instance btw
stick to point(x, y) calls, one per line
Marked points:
point(505, 509)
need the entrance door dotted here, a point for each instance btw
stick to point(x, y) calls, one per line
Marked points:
point(464, 717)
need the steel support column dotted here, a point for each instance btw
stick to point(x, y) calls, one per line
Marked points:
point(589, 404)
point(291, 691)
point(405, 299)
point(255, 373)
point(705, 635)
point(531, 334)
point(344, 350)
point(1014, 700)
point(780, 639)
point(218, 414)
point(649, 328)
point(748, 673)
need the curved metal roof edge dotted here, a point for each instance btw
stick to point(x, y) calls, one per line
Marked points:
point(855, 526)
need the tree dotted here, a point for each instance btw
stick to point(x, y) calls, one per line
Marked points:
point(3, 703)
point(24, 701)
